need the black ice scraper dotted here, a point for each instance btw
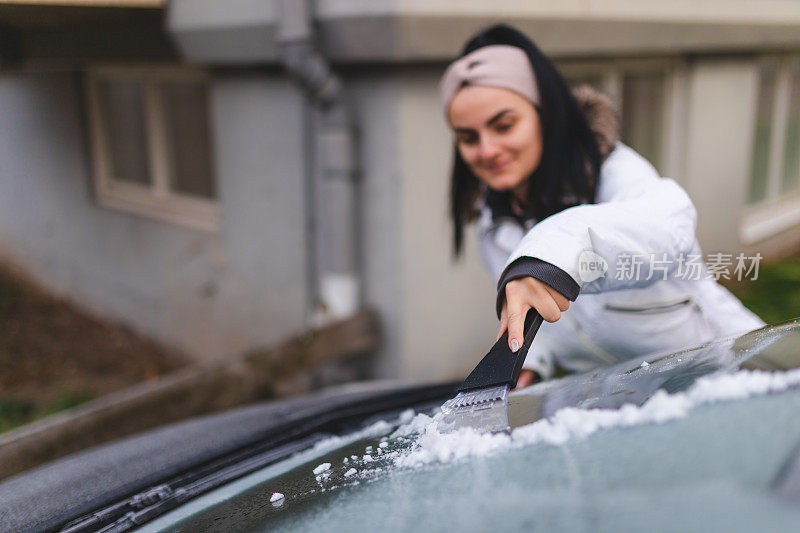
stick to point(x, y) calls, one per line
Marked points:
point(482, 400)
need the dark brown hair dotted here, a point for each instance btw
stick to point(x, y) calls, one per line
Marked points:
point(570, 164)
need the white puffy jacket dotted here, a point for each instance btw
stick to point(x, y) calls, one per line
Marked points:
point(636, 213)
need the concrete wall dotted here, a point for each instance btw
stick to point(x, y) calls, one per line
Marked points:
point(375, 104)
point(438, 315)
point(211, 294)
point(450, 321)
point(719, 134)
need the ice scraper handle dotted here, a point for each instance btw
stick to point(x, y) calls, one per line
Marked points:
point(501, 366)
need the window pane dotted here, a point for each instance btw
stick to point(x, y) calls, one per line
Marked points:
point(791, 156)
point(185, 105)
point(122, 104)
point(642, 113)
point(763, 135)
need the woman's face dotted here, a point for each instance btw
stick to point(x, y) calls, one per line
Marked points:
point(498, 134)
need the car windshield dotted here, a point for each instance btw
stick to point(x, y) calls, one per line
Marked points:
point(702, 438)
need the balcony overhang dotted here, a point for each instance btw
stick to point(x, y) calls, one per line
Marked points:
point(242, 32)
point(400, 31)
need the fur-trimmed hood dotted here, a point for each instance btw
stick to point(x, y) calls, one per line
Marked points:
point(601, 116)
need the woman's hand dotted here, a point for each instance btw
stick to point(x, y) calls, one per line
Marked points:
point(521, 295)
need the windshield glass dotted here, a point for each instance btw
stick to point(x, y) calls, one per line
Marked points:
point(609, 448)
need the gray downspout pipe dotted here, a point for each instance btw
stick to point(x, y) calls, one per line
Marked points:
point(334, 281)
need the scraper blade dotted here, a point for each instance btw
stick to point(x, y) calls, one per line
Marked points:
point(482, 400)
point(484, 409)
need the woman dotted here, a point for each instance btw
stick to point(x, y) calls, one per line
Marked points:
point(557, 199)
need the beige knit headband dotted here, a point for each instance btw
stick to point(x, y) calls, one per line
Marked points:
point(496, 65)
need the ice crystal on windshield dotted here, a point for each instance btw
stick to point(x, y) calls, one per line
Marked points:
point(322, 468)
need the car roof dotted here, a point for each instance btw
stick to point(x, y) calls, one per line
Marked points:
point(724, 464)
point(50, 496)
point(137, 468)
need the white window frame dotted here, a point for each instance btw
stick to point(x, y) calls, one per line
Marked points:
point(612, 72)
point(777, 212)
point(156, 200)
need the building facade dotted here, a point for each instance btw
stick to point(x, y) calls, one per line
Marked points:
point(157, 163)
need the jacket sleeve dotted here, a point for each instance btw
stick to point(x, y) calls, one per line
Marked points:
point(637, 214)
